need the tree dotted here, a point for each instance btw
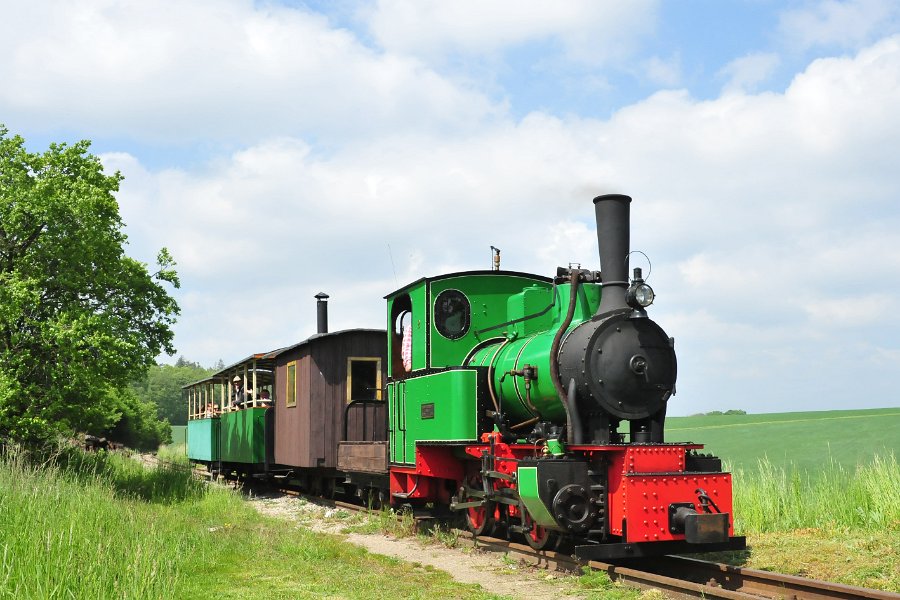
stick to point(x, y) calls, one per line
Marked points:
point(78, 317)
point(183, 362)
point(137, 426)
point(162, 387)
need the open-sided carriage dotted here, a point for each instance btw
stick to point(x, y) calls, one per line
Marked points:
point(284, 413)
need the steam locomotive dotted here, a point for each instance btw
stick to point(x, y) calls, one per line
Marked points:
point(533, 406)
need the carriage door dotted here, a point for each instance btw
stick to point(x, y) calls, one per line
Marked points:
point(397, 421)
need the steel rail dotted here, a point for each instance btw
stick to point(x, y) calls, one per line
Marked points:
point(681, 577)
point(763, 583)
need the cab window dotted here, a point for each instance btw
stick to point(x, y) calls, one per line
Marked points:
point(452, 313)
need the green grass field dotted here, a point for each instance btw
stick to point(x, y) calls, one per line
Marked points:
point(815, 492)
point(87, 526)
point(805, 441)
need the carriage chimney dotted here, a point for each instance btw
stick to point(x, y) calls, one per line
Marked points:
point(321, 312)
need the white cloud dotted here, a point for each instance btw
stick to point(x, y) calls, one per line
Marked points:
point(746, 73)
point(665, 72)
point(858, 309)
point(589, 31)
point(845, 24)
point(214, 70)
point(569, 242)
point(770, 220)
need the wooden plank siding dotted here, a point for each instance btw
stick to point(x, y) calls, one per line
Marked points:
point(370, 457)
point(375, 423)
point(307, 434)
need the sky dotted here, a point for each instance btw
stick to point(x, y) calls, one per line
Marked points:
point(280, 149)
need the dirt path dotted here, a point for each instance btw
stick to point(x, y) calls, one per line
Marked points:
point(495, 573)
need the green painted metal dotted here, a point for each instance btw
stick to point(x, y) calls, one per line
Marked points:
point(417, 294)
point(243, 436)
point(556, 447)
point(531, 301)
point(437, 407)
point(488, 297)
point(488, 294)
point(395, 398)
point(528, 493)
point(530, 345)
point(495, 299)
point(203, 439)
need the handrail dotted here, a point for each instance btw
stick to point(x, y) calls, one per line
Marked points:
point(364, 403)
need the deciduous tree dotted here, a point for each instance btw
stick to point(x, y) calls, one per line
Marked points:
point(162, 387)
point(78, 317)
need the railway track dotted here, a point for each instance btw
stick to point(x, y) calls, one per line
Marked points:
point(678, 577)
point(681, 577)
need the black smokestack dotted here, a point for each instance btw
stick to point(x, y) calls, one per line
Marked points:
point(613, 232)
point(321, 312)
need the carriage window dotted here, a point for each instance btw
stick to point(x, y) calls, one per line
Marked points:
point(290, 398)
point(451, 314)
point(363, 379)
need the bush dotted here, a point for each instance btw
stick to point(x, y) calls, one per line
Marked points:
point(137, 427)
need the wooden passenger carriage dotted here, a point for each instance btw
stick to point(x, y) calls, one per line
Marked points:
point(323, 390)
point(325, 383)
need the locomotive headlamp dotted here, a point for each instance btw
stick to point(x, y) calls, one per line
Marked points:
point(643, 294)
point(639, 294)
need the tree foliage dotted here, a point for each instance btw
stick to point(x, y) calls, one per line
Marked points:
point(138, 425)
point(162, 387)
point(78, 318)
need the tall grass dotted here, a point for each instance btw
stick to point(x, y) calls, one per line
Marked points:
point(66, 532)
point(169, 481)
point(89, 526)
point(777, 499)
point(174, 453)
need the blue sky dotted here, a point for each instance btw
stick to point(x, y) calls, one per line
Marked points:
point(281, 149)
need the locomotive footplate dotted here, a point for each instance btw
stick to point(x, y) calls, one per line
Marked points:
point(642, 549)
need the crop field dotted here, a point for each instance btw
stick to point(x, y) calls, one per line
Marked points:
point(813, 491)
point(803, 441)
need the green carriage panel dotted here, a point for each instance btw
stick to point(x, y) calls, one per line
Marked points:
point(419, 297)
point(442, 406)
point(243, 435)
point(203, 439)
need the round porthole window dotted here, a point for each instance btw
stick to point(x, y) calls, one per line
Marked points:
point(452, 314)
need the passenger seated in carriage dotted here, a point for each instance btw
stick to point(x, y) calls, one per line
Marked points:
point(264, 398)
